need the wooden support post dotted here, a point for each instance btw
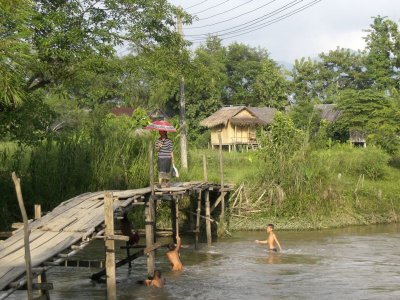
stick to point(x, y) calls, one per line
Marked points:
point(208, 216)
point(128, 254)
point(155, 222)
point(38, 211)
point(221, 168)
point(205, 168)
point(28, 265)
point(110, 246)
point(198, 211)
point(43, 279)
point(177, 214)
point(173, 219)
point(149, 217)
point(151, 168)
point(149, 214)
point(207, 204)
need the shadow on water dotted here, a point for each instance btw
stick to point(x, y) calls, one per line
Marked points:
point(272, 259)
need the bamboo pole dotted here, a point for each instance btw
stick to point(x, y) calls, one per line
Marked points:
point(177, 215)
point(207, 204)
point(149, 217)
point(221, 168)
point(38, 211)
point(41, 278)
point(151, 168)
point(149, 214)
point(110, 246)
point(173, 219)
point(28, 264)
point(182, 110)
point(198, 211)
point(205, 168)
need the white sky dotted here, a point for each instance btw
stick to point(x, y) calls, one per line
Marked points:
point(319, 28)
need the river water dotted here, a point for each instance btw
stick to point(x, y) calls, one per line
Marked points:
point(349, 263)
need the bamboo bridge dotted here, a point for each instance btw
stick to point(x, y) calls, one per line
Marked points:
point(71, 226)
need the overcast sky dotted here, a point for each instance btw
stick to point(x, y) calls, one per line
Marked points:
point(318, 28)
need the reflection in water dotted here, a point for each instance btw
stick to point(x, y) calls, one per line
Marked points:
point(351, 263)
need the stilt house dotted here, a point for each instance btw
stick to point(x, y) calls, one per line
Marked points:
point(237, 125)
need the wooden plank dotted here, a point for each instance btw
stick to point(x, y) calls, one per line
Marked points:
point(74, 218)
point(113, 237)
point(40, 254)
point(6, 263)
point(14, 243)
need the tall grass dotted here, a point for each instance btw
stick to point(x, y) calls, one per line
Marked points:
point(89, 159)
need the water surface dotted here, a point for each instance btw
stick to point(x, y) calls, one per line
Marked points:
point(350, 263)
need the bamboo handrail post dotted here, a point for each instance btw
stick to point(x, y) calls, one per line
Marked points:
point(28, 264)
point(110, 246)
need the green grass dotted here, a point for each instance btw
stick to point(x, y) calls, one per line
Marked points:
point(321, 188)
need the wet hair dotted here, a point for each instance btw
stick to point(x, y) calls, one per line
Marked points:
point(271, 225)
point(157, 273)
point(171, 246)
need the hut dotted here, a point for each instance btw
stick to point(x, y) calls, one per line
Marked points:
point(122, 111)
point(358, 138)
point(237, 125)
point(329, 112)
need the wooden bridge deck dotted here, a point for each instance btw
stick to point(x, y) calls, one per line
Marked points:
point(73, 222)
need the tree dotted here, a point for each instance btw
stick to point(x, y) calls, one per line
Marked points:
point(383, 49)
point(205, 84)
point(373, 112)
point(341, 69)
point(15, 32)
point(67, 49)
point(243, 64)
point(306, 84)
point(271, 86)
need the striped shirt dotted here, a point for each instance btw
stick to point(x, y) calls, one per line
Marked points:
point(165, 146)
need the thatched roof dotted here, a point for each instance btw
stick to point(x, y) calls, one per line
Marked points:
point(261, 116)
point(266, 114)
point(329, 112)
point(120, 111)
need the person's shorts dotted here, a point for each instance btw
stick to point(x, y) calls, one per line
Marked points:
point(164, 167)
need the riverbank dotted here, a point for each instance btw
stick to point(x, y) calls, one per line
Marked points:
point(326, 188)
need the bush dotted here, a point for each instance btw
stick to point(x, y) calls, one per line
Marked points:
point(371, 162)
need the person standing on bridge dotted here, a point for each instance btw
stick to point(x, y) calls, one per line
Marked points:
point(164, 147)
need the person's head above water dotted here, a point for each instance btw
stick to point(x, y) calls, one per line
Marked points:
point(157, 274)
point(270, 227)
point(171, 246)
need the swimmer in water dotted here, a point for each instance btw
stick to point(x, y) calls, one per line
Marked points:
point(173, 255)
point(271, 240)
point(158, 281)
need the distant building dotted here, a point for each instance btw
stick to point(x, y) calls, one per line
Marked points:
point(121, 111)
point(330, 113)
point(237, 125)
